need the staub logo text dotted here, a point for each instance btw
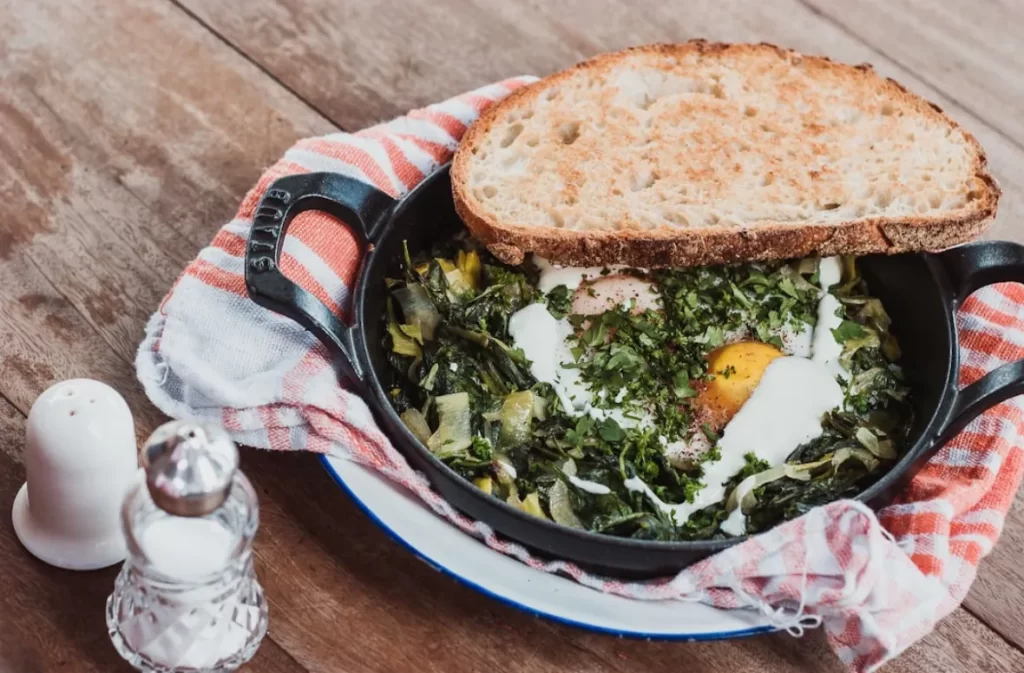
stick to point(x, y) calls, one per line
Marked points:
point(266, 230)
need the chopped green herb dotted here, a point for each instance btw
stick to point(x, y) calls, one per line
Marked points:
point(751, 465)
point(559, 301)
point(681, 385)
point(460, 385)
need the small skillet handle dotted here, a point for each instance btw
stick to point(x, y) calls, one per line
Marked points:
point(971, 267)
point(364, 208)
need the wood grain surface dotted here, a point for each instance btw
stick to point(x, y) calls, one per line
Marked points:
point(130, 129)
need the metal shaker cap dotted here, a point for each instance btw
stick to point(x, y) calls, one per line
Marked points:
point(189, 467)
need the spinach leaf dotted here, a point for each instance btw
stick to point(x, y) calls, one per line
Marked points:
point(445, 333)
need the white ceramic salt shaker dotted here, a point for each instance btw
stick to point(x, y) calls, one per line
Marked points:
point(81, 459)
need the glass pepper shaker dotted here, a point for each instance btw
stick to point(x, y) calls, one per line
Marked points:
point(187, 599)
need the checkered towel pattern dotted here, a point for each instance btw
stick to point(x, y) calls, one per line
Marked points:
point(876, 583)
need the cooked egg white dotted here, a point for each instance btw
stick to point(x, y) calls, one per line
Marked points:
point(594, 297)
point(682, 453)
point(774, 403)
point(572, 277)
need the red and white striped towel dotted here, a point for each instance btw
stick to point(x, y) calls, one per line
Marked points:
point(876, 583)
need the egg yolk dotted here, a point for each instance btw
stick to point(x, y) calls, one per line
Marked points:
point(736, 370)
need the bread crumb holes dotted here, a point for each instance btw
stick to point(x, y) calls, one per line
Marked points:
point(511, 133)
point(569, 132)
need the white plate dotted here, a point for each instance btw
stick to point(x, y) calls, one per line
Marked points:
point(448, 549)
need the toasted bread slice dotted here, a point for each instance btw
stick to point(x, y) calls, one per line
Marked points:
point(699, 153)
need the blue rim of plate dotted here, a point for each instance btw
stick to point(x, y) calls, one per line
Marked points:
point(622, 633)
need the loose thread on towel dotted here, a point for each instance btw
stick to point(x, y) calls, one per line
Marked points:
point(795, 623)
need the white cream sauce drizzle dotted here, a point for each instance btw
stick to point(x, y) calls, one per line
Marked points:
point(736, 523)
point(797, 341)
point(824, 348)
point(589, 486)
point(784, 412)
point(542, 339)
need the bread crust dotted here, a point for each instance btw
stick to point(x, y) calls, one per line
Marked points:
point(762, 240)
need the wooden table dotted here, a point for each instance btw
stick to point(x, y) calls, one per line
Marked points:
point(130, 129)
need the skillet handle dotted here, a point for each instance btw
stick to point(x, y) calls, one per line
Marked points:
point(364, 208)
point(971, 267)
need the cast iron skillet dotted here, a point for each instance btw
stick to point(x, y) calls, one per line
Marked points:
point(920, 291)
